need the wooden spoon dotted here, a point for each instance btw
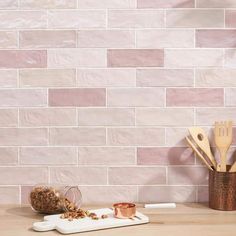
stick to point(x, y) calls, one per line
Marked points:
point(198, 153)
point(200, 138)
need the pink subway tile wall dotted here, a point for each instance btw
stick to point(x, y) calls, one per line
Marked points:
point(100, 93)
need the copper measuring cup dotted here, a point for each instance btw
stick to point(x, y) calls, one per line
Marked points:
point(124, 210)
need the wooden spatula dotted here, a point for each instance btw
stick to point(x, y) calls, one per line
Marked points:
point(223, 138)
point(200, 138)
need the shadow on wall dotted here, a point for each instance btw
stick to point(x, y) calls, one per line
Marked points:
point(183, 181)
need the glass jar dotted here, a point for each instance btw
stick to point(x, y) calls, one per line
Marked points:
point(55, 199)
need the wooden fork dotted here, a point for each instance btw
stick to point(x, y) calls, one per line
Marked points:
point(223, 139)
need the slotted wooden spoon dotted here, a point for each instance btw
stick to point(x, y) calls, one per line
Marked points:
point(223, 139)
point(200, 138)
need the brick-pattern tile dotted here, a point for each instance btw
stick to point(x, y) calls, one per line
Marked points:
point(47, 78)
point(23, 58)
point(77, 97)
point(48, 39)
point(137, 175)
point(100, 94)
point(165, 4)
point(212, 97)
point(195, 18)
point(135, 18)
point(165, 156)
point(165, 194)
point(135, 58)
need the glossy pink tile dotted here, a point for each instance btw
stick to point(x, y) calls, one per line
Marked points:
point(187, 175)
point(165, 156)
point(154, 194)
point(202, 97)
point(165, 4)
point(77, 136)
point(78, 97)
point(135, 58)
point(23, 58)
point(137, 175)
point(216, 38)
point(106, 155)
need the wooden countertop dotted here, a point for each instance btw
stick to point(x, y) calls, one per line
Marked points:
point(186, 219)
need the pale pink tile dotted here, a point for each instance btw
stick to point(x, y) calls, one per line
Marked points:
point(135, 18)
point(106, 116)
point(139, 97)
point(202, 194)
point(195, 18)
point(165, 77)
point(109, 77)
point(224, 77)
point(80, 57)
point(165, 38)
point(8, 4)
point(23, 175)
point(164, 117)
point(77, 136)
point(47, 4)
point(176, 137)
point(108, 194)
point(23, 137)
point(47, 77)
point(106, 4)
point(8, 156)
point(82, 97)
point(106, 155)
point(23, 58)
point(8, 39)
point(48, 39)
point(210, 115)
point(154, 194)
point(8, 117)
point(165, 156)
point(23, 19)
point(106, 39)
point(136, 136)
point(230, 98)
point(215, 4)
point(47, 117)
point(230, 58)
point(79, 175)
point(137, 175)
point(75, 19)
point(234, 136)
point(135, 58)
point(10, 195)
point(48, 156)
point(179, 58)
point(8, 78)
point(23, 97)
point(165, 3)
point(188, 175)
point(230, 18)
point(25, 191)
point(201, 97)
point(216, 38)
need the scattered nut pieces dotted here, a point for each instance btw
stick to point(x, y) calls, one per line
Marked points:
point(104, 216)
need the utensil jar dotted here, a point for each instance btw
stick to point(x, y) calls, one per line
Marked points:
point(222, 190)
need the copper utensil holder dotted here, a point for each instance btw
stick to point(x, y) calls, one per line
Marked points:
point(222, 190)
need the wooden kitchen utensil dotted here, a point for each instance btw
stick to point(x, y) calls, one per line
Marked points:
point(223, 139)
point(200, 138)
point(233, 167)
point(198, 153)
